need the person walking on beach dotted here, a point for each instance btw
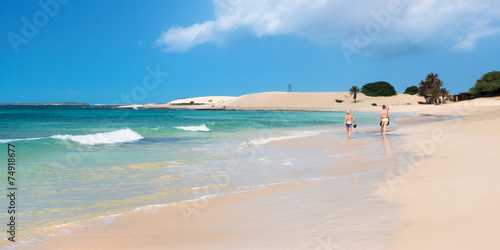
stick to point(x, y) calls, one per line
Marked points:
point(384, 119)
point(349, 122)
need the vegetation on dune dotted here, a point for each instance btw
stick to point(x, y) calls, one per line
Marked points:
point(379, 88)
point(445, 94)
point(412, 90)
point(487, 85)
point(339, 101)
point(354, 91)
point(432, 89)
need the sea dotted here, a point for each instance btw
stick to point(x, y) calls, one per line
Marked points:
point(80, 163)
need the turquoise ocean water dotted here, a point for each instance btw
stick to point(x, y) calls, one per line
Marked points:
point(76, 163)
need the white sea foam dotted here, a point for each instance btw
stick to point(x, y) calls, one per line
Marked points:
point(202, 127)
point(297, 134)
point(24, 139)
point(117, 136)
point(122, 135)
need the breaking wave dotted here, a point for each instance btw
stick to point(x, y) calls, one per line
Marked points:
point(202, 127)
point(117, 136)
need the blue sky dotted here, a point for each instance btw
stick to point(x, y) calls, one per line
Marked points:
point(100, 51)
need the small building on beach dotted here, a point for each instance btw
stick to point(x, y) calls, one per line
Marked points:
point(461, 97)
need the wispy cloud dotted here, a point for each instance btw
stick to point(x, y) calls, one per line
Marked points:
point(417, 25)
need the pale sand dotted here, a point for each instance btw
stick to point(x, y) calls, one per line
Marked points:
point(319, 101)
point(449, 198)
point(452, 198)
point(204, 100)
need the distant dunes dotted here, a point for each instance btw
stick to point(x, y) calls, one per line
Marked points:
point(319, 101)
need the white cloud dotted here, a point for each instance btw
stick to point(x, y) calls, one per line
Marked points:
point(468, 42)
point(388, 26)
point(181, 39)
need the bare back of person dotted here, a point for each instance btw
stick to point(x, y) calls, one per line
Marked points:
point(384, 119)
point(348, 119)
point(384, 113)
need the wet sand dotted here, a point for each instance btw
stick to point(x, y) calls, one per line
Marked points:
point(339, 210)
point(437, 188)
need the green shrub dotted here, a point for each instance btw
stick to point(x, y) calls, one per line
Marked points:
point(412, 90)
point(210, 100)
point(191, 102)
point(487, 85)
point(339, 101)
point(374, 104)
point(380, 88)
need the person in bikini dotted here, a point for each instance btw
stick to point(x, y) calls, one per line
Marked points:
point(384, 119)
point(349, 122)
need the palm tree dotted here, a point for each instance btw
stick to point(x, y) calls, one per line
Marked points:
point(444, 93)
point(432, 77)
point(438, 83)
point(434, 95)
point(354, 92)
point(422, 88)
point(430, 88)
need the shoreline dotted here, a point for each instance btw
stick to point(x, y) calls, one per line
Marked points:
point(234, 200)
point(471, 113)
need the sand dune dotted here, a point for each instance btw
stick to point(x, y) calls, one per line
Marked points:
point(333, 101)
point(318, 101)
point(203, 100)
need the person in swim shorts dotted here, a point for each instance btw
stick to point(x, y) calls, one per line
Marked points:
point(349, 121)
point(384, 119)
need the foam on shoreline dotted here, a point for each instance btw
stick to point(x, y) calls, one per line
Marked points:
point(357, 183)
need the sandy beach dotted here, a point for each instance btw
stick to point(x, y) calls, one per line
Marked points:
point(262, 124)
point(450, 198)
point(434, 186)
